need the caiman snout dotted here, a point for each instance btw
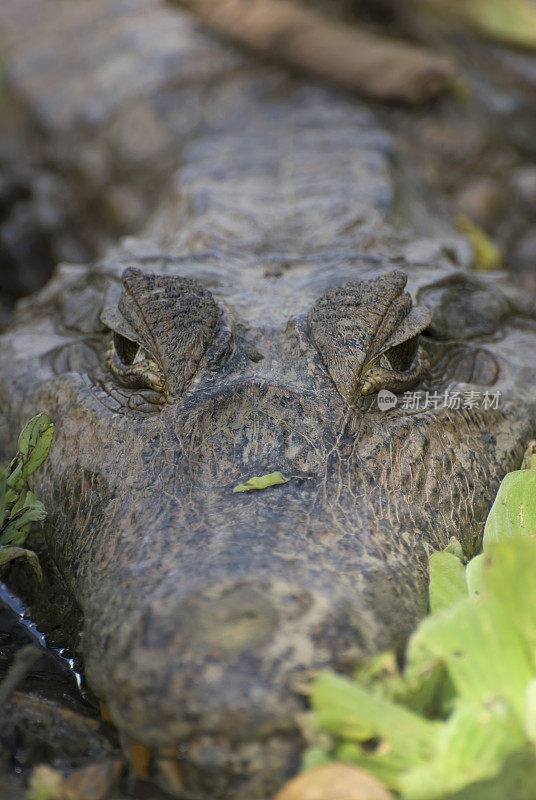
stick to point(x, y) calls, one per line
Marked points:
point(235, 620)
point(207, 661)
point(213, 672)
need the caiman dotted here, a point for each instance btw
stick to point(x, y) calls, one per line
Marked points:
point(278, 288)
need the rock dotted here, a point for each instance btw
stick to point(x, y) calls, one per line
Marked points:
point(334, 782)
point(92, 782)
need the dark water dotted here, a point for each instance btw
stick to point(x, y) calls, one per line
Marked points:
point(56, 670)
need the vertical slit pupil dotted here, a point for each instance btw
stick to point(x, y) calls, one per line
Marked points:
point(401, 356)
point(125, 349)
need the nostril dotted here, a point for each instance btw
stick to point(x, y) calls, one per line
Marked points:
point(240, 619)
point(214, 660)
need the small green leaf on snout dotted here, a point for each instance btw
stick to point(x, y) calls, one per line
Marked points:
point(261, 482)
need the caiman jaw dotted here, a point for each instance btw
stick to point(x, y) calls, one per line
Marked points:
point(196, 759)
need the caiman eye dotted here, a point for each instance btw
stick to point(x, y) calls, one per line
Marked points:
point(161, 326)
point(132, 366)
point(402, 356)
point(397, 369)
point(125, 349)
point(368, 336)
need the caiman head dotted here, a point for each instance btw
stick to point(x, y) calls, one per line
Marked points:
point(207, 610)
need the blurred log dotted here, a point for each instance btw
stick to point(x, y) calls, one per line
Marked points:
point(355, 59)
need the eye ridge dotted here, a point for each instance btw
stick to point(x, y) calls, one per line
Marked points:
point(368, 336)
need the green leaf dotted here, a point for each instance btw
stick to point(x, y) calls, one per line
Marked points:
point(3, 490)
point(447, 581)
point(419, 688)
point(34, 443)
point(486, 255)
point(9, 554)
point(482, 651)
point(21, 502)
point(514, 509)
point(530, 708)
point(32, 432)
point(509, 577)
point(471, 746)
point(455, 548)
point(19, 507)
point(261, 482)
point(15, 479)
point(17, 522)
point(474, 575)
point(381, 675)
point(510, 21)
point(352, 712)
point(516, 780)
point(382, 762)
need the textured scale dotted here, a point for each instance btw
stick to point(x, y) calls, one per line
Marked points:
point(274, 202)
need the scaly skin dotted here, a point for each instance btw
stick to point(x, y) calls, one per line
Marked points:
point(283, 257)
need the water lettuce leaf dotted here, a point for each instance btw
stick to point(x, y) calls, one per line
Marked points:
point(19, 507)
point(34, 443)
point(447, 580)
point(514, 509)
point(458, 722)
point(348, 710)
point(471, 746)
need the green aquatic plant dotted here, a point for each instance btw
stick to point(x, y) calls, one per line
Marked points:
point(19, 507)
point(458, 721)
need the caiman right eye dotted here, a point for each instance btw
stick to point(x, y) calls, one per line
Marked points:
point(132, 366)
point(367, 334)
point(160, 327)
